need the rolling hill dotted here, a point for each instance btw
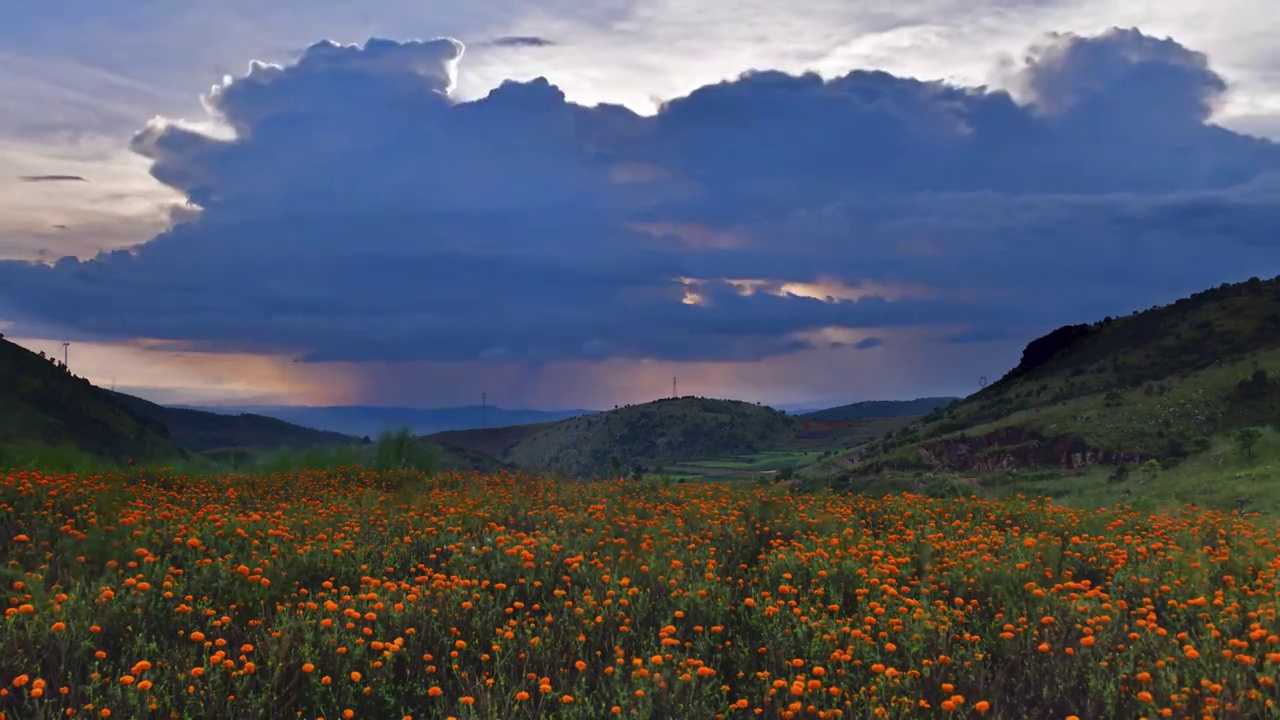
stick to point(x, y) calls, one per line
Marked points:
point(640, 437)
point(1152, 385)
point(42, 403)
point(200, 431)
point(876, 409)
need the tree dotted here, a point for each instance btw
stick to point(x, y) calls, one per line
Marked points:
point(1245, 439)
point(1151, 468)
point(615, 466)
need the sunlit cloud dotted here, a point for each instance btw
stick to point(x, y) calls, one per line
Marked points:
point(829, 290)
point(824, 289)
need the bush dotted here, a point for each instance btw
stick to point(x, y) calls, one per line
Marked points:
point(1120, 474)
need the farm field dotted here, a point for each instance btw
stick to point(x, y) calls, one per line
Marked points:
point(357, 594)
point(816, 440)
point(767, 462)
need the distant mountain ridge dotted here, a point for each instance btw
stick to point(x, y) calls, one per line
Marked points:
point(368, 420)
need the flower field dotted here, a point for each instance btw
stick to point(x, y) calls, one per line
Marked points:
point(345, 594)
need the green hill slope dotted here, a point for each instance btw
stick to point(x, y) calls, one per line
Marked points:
point(460, 458)
point(43, 404)
point(1147, 386)
point(641, 437)
point(199, 430)
point(880, 409)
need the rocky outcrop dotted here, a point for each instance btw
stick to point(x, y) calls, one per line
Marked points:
point(1004, 449)
point(1040, 351)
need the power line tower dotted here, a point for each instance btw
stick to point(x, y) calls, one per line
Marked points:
point(982, 381)
point(65, 345)
point(484, 409)
point(673, 389)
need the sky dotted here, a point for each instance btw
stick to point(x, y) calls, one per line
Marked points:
point(567, 204)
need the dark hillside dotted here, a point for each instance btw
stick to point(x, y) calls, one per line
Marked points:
point(199, 430)
point(875, 409)
point(41, 402)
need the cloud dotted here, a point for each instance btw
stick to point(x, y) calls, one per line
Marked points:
point(51, 178)
point(359, 211)
point(522, 41)
point(121, 207)
point(1122, 77)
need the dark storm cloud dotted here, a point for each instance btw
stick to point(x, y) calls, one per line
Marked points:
point(360, 213)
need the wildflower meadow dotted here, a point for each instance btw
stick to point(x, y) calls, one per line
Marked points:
point(356, 594)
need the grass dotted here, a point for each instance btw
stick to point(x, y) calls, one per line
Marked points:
point(1217, 478)
point(387, 594)
point(394, 450)
point(63, 457)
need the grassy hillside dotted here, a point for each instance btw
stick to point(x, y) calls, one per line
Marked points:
point(1153, 385)
point(635, 437)
point(881, 409)
point(490, 441)
point(199, 431)
point(42, 404)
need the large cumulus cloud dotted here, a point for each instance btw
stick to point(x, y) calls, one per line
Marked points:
point(361, 213)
